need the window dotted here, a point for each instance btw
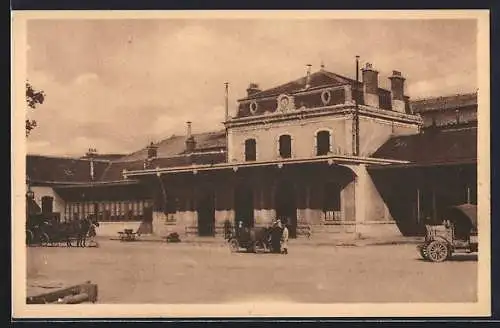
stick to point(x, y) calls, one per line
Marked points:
point(322, 143)
point(285, 146)
point(250, 150)
point(331, 201)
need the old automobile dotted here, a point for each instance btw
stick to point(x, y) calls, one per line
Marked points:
point(457, 233)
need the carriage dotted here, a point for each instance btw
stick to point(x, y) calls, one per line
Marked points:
point(457, 233)
point(46, 229)
point(39, 227)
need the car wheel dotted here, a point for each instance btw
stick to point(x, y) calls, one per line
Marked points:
point(437, 251)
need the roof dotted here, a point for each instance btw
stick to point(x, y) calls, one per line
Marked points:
point(175, 145)
point(171, 152)
point(446, 102)
point(317, 79)
point(432, 147)
point(62, 169)
point(115, 171)
point(105, 157)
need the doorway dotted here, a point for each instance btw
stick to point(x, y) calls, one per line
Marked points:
point(206, 214)
point(243, 206)
point(286, 205)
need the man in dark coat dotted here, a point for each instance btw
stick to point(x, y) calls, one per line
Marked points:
point(276, 237)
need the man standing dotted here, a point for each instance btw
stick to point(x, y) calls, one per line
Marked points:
point(284, 240)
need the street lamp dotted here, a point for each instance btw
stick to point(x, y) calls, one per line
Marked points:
point(29, 193)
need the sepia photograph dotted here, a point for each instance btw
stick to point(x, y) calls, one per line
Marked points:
point(264, 163)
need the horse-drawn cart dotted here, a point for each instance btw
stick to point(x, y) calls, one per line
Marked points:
point(46, 229)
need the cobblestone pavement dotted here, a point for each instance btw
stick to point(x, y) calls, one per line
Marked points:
point(181, 273)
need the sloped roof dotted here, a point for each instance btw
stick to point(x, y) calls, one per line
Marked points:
point(433, 147)
point(62, 169)
point(209, 149)
point(317, 79)
point(115, 171)
point(105, 157)
point(176, 145)
point(443, 103)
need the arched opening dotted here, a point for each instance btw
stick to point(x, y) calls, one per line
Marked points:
point(243, 205)
point(285, 146)
point(323, 143)
point(250, 150)
point(206, 213)
point(286, 205)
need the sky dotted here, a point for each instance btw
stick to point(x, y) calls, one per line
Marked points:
point(116, 85)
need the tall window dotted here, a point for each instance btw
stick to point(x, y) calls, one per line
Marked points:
point(285, 146)
point(322, 143)
point(250, 150)
point(331, 201)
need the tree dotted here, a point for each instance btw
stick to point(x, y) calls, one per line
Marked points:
point(33, 98)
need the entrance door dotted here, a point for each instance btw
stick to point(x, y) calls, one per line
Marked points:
point(286, 206)
point(243, 206)
point(206, 214)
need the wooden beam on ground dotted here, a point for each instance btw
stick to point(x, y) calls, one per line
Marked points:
point(86, 292)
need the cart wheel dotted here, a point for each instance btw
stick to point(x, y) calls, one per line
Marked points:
point(234, 245)
point(437, 251)
point(44, 239)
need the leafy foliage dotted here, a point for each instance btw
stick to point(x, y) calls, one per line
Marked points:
point(33, 98)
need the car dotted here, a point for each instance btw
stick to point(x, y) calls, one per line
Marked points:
point(456, 233)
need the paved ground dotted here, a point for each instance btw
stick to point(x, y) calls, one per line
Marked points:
point(144, 272)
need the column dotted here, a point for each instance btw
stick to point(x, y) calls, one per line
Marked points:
point(360, 193)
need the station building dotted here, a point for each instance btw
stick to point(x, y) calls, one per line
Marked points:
point(323, 151)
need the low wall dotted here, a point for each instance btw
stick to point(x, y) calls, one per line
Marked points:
point(111, 229)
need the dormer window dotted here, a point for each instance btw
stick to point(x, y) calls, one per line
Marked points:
point(250, 150)
point(285, 146)
point(323, 144)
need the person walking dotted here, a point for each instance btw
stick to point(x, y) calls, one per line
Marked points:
point(284, 240)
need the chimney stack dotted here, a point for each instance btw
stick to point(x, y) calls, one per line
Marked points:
point(252, 89)
point(397, 92)
point(152, 150)
point(190, 142)
point(308, 76)
point(370, 86)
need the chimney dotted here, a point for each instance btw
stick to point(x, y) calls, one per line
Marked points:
point(190, 142)
point(152, 150)
point(397, 91)
point(252, 89)
point(370, 86)
point(308, 76)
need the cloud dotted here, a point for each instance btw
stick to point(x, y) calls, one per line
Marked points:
point(118, 84)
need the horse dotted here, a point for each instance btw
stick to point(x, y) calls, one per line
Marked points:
point(79, 230)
